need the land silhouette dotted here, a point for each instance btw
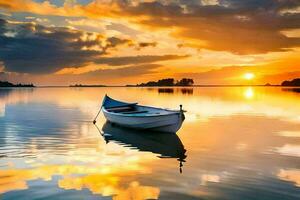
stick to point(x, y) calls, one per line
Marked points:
point(80, 85)
point(168, 82)
point(294, 82)
point(8, 84)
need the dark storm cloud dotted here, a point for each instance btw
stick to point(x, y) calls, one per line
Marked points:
point(36, 49)
point(242, 27)
point(238, 26)
point(261, 4)
point(32, 48)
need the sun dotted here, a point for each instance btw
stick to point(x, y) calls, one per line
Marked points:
point(249, 76)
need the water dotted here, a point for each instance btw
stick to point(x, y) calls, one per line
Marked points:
point(236, 143)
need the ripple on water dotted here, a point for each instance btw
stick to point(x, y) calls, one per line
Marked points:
point(234, 144)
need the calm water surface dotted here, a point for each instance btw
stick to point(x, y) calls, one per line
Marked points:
point(237, 143)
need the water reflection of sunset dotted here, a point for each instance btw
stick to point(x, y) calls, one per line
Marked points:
point(204, 101)
point(249, 93)
point(109, 187)
point(292, 175)
point(228, 138)
point(103, 179)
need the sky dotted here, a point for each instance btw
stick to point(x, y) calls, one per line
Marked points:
point(119, 42)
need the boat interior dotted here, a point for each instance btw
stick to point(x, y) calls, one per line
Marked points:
point(127, 109)
point(114, 106)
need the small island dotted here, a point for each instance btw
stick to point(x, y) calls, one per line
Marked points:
point(8, 84)
point(294, 82)
point(80, 85)
point(168, 82)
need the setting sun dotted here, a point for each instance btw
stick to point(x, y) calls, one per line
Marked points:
point(249, 76)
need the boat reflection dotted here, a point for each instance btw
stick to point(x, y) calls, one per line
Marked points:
point(167, 145)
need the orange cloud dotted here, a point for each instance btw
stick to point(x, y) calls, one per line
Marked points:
point(95, 9)
point(214, 26)
point(238, 34)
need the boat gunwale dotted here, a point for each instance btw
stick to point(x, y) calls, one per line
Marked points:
point(171, 112)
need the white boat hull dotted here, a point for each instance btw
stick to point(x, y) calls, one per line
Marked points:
point(141, 117)
point(166, 123)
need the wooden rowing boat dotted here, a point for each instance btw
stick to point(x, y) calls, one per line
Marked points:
point(137, 116)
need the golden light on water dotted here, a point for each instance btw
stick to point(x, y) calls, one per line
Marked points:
point(249, 93)
point(292, 175)
point(85, 161)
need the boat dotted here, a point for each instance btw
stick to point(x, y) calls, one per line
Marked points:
point(165, 145)
point(137, 116)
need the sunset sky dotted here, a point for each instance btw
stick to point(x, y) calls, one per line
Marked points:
point(119, 42)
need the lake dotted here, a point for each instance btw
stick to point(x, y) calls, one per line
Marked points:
point(236, 143)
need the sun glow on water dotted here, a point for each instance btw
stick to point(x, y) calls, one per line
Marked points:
point(75, 157)
point(249, 93)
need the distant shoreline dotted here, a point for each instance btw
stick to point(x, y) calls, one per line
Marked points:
point(194, 86)
point(80, 85)
point(6, 84)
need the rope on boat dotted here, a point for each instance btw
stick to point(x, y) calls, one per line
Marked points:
point(103, 102)
point(94, 122)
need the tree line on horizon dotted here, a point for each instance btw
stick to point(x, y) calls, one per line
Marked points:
point(9, 84)
point(81, 85)
point(168, 82)
point(294, 82)
point(161, 82)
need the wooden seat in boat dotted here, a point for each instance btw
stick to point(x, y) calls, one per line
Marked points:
point(119, 109)
point(134, 112)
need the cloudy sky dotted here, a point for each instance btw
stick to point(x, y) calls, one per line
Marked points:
point(118, 42)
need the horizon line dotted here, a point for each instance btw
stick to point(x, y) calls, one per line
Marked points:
point(199, 85)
